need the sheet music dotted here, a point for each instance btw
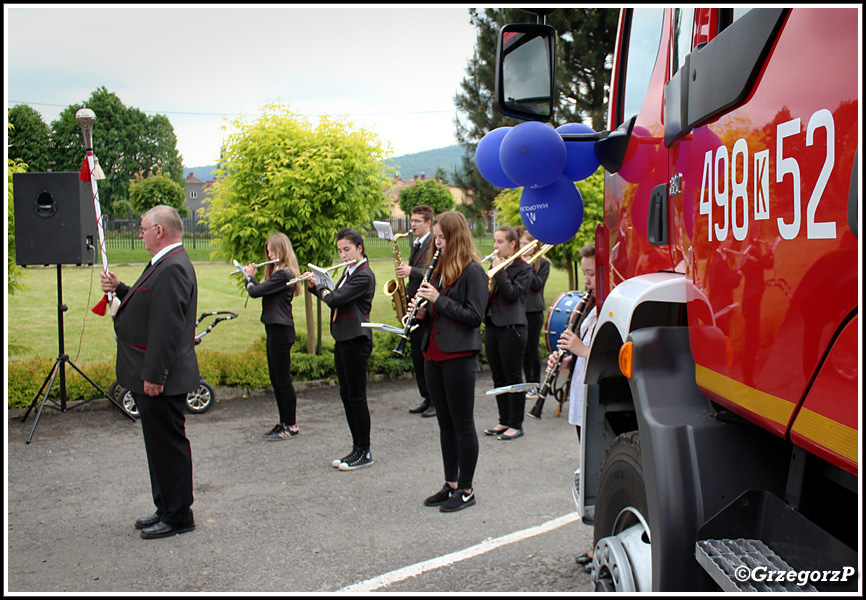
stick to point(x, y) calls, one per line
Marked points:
point(322, 276)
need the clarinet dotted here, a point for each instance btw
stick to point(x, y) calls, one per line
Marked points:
point(409, 320)
point(551, 371)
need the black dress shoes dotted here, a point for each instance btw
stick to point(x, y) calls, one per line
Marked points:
point(421, 408)
point(162, 529)
point(147, 521)
point(430, 412)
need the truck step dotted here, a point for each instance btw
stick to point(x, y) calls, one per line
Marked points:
point(724, 559)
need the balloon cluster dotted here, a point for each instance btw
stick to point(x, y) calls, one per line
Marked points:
point(533, 155)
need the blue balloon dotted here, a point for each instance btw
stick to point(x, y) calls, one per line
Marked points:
point(554, 213)
point(532, 154)
point(581, 161)
point(487, 158)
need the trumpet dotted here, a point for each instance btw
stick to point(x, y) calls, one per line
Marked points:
point(490, 256)
point(256, 265)
point(310, 275)
point(527, 248)
point(409, 318)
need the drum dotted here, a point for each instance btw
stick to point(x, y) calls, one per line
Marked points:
point(557, 318)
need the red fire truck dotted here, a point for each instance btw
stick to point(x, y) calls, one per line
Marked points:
point(720, 442)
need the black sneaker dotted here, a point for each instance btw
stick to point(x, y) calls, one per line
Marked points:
point(275, 429)
point(458, 501)
point(440, 496)
point(349, 457)
point(362, 459)
point(283, 433)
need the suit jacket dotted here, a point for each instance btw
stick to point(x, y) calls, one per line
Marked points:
point(456, 316)
point(350, 303)
point(155, 327)
point(506, 305)
point(418, 261)
point(535, 296)
point(276, 298)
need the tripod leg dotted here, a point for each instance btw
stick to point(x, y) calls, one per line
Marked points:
point(114, 400)
point(44, 399)
point(51, 375)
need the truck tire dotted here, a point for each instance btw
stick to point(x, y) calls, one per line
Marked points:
point(622, 559)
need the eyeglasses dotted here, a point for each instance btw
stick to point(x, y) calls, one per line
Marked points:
point(141, 230)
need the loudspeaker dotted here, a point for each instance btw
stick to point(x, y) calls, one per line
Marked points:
point(55, 223)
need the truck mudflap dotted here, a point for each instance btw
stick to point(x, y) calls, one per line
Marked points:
point(694, 462)
point(760, 544)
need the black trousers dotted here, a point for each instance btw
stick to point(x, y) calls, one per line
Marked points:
point(418, 363)
point(169, 457)
point(504, 347)
point(452, 391)
point(531, 356)
point(279, 349)
point(350, 360)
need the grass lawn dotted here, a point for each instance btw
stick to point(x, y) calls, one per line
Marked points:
point(32, 313)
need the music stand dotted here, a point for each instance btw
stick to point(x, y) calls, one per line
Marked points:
point(60, 368)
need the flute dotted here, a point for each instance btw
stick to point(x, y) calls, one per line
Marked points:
point(257, 265)
point(308, 276)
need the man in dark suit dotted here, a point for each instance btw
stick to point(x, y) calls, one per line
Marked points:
point(421, 219)
point(156, 361)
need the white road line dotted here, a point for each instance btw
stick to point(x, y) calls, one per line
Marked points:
point(449, 559)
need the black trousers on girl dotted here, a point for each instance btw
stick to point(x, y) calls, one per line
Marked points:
point(531, 356)
point(504, 347)
point(350, 360)
point(452, 390)
point(279, 350)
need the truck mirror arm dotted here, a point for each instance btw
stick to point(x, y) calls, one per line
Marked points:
point(610, 146)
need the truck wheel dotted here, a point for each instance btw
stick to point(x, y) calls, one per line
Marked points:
point(622, 559)
point(201, 399)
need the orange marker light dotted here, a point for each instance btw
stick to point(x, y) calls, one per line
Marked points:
point(625, 357)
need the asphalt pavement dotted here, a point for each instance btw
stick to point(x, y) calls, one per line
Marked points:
point(275, 517)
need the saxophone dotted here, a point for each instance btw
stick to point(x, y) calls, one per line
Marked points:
point(396, 288)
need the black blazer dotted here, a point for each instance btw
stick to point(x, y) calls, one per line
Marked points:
point(457, 314)
point(418, 260)
point(155, 327)
point(507, 305)
point(276, 297)
point(350, 303)
point(535, 296)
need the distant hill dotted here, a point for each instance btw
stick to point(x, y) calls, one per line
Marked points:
point(203, 173)
point(407, 165)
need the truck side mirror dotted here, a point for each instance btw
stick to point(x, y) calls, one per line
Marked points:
point(526, 71)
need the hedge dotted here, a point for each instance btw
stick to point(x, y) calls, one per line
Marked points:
point(248, 369)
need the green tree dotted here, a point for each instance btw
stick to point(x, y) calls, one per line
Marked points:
point(433, 193)
point(29, 141)
point(567, 254)
point(156, 189)
point(281, 173)
point(585, 44)
point(125, 140)
point(13, 271)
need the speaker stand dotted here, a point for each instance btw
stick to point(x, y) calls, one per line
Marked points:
point(60, 368)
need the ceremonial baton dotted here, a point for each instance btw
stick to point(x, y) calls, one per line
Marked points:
point(90, 171)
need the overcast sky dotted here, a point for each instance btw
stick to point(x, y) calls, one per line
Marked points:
point(391, 69)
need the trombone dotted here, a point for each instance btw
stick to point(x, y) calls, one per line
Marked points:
point(527, 248)
point(541, 252)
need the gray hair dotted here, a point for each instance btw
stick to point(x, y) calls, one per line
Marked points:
point(167, 217)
